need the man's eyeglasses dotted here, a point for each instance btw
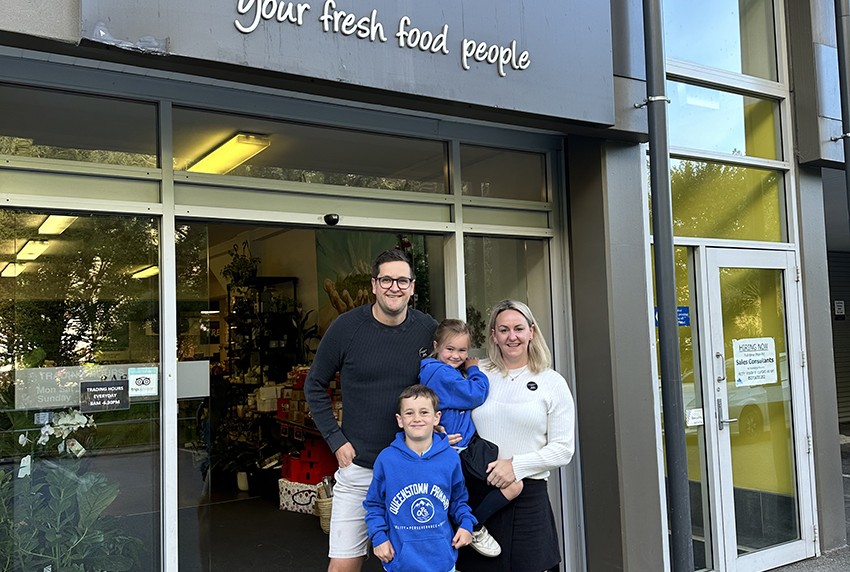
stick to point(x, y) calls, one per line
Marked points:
point(386, 282)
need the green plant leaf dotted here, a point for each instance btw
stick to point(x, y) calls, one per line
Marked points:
point(111, 563)
point(95, 494)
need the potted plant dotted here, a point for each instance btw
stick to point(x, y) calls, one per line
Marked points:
point(242, 268)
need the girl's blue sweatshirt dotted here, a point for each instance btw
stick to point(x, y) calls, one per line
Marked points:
point(413, 501)
point(458, 395)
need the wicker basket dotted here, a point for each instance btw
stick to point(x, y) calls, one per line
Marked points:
point(323, 508)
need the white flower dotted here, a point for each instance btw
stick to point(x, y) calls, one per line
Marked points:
point(22, 439)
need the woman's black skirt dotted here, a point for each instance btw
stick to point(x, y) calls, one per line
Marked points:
point(525, 529)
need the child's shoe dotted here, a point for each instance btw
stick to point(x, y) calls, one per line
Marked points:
point(485, 544)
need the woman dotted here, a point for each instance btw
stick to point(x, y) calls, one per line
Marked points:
point(530, 415)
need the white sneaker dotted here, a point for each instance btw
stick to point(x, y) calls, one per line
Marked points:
point(485, 544)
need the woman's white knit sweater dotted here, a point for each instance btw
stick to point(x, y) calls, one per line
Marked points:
point(530, 417)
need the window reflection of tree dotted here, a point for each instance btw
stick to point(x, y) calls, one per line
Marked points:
point(78, 301)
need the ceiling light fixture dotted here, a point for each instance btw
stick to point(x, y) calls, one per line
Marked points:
point(146, 272)
point(12, 269)
point(56, 224)
point(231, 153)
point(32, 249)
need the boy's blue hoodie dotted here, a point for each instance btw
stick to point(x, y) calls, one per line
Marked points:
point(458, 395)
point(413, 501)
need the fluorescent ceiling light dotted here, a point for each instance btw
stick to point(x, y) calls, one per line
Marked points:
point(32, 249)
point(231, 153)
point(12, 269)
point(56, 224)
point(209, 312)
point(146, 272)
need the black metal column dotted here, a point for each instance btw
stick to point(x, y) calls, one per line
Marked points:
point(678, 495)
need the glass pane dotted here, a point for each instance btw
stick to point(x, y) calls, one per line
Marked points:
point(759, 397)
point(500, 268)
point(713, 120)
point(692, 398)
point(715, 200)
point(79, 391)
point(253, 147)
point(729, 35)
point(55, 125)
point(247, 335)
point(501, 174)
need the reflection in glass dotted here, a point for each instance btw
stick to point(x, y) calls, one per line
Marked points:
point(763, 472)
point(729, 35)
point(713, 120)
point(80, 487)
point(252, 304)
point(500, 268)
point(501, 174)
point(54, 125)
point(716, 200)
point(309, 154)
point(692, 399)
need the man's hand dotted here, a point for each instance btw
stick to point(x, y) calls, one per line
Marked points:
point(500, 473)
point(462, 538)
point(345, 455)
point(385, 552)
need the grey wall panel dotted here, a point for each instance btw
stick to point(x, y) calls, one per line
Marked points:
point(814, 79)
point(627, 38)
point(614, 383)
point(43, 18)
point(821, 368)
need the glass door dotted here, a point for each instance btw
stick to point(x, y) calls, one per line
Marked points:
point(755, 364)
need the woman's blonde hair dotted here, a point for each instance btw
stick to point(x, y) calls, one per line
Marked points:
point(539, 356)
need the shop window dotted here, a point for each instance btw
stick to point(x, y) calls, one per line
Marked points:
point(729, 35)
point(719, 200)
point(501, 174)
point(723, 122)
point(252, 304)
point(79, 390)
point(49, 124)
point(252, 147)
point(500, 268)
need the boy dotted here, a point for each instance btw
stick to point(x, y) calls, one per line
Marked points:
point(417, 486)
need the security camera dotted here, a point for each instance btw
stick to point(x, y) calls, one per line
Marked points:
point(331, 219)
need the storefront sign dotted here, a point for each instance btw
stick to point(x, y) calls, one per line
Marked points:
point(104, 396)
point(755, 361)
point(546, 57)
point(58, 387)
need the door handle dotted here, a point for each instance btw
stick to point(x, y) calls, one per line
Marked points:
point(721, 423)
point(722, 377)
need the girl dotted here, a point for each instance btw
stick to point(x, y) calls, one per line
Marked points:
point(459, 394)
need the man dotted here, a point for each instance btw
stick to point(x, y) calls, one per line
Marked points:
point(376, 350)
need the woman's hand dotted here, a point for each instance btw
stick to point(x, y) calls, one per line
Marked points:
point(384, 551)
point(345, 455)
point(500, 473)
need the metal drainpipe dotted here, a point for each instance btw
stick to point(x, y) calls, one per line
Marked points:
point(678, 493)
point(842, 28)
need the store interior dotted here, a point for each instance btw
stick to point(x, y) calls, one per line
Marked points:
point(253, 303)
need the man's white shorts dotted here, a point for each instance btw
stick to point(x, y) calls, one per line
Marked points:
point(348, 536)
